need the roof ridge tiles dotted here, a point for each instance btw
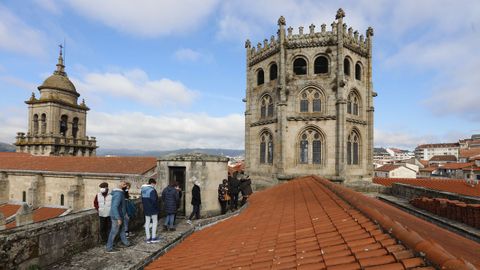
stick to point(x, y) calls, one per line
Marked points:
point(369, 206)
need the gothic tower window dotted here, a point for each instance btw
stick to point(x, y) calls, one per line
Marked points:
point(35, 124)
point(310, 147)
point(273, 72)
point(321, 65)
point(300, 66)
point(24, 196)
point(353, 141)
point(266, 107)
point(358, 71)
point(75, 127)
point(266, 148)
point(63, 125)
point(352, 104)
point(310, 96)
point(260, 77)
point(43, 121)
point(346, 66)
point(62, 200)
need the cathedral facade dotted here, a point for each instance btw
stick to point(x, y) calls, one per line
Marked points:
point(56, 122)
point(309, 104)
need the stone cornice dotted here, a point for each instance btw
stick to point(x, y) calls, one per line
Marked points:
point(60, 102)
point(356, 121)
point(264, 122)
point(311, 118)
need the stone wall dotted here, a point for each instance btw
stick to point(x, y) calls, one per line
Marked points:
point(410, 192)
point(43, 243)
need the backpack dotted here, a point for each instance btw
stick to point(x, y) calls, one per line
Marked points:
point(131, 209)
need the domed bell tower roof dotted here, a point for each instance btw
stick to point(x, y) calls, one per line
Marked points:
point(59, 80)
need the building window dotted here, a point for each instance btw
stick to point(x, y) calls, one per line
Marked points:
point(266, 107)
point(346, 66)
point(353, 104)
point(35, 124)
point(273, 72)
point(358, 71)
point(266, 148)
point(321, 65)
point(310, 147)
point(260, 77)
point(353, 142)
point(24, 196)
point(62, 200)
point(310, 96)
point(43, 120)
point(300, 66)
point(63, 125)
point(75, 127)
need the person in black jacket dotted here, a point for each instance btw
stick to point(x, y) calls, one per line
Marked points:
point(223, 195)
point(246, 189)
point(233, 185)
point(170, 197)
point(196, 202)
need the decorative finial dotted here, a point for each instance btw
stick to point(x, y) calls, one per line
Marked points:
point(290, 31)
point(248, 44)
point(369, 31)
point(33, 96)
point(60, 66)
point(300, 30)
point(340, 14)
point(83, 103)
point(312, 29)
point(281, 21)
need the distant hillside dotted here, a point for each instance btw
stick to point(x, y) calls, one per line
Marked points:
point(134, 152)
point(6, 147)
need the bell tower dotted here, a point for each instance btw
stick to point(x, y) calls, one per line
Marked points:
point(56, 122)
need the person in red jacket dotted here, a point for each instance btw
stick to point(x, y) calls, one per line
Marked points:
point(102, 203)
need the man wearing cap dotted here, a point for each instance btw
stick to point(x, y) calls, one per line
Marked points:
point(196, 201)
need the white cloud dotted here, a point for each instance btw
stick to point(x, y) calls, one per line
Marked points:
point(17, 36)
point(186, 54)
point(136, 130)
point(12, 120)
point(136, 85)
point(409, 140)
point(149, 18)
point(19, 83)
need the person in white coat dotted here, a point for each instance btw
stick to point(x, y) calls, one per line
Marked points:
point(103, 203)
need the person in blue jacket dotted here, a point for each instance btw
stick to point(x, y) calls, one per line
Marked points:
point(151, 209)
point(118, 213)
point(170, 197)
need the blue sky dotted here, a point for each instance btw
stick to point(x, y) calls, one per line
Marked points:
point(171, 74)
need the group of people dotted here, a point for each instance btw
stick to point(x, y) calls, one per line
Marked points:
point(115, 210)
point(229, 190)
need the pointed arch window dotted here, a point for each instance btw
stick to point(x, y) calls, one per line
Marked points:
point(353, 104)
point(43, 120)
point(358, 71)
point(353, 145)
point(311, 145)
point(311, 96)
point(273, 72)
point(346, 66)
point(321, 65)
point(62, 199)
point(300, 66)
point(24, 196)
point(266, 107)
point(260, 77)
point(266, 148)
point(35, 124)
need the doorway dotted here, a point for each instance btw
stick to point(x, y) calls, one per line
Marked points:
point(177, 174)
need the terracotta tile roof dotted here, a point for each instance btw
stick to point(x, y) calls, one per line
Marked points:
point(9, 210)
point(423, 162)
point(387, 168)
point(458, 186)
point(121, 165)
point(467, 153)
point(443, 158)
point(42, 214)
point(456, 166)
point(428, 169)
point(438, 145)
point(301, 224)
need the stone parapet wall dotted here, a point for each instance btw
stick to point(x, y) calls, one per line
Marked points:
point(43, 243)
point(410, 192)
